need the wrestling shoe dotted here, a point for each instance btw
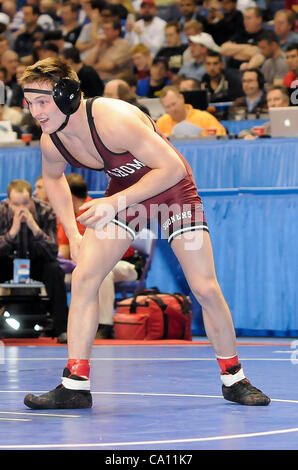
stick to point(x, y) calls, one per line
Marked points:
point(61, 397)
point(242, 391)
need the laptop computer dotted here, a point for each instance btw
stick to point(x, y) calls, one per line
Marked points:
point(284, 121)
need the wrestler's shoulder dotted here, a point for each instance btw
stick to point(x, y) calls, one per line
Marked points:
point(110, 109)
point(48, 149)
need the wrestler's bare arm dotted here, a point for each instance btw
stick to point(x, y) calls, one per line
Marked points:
point(57, 188)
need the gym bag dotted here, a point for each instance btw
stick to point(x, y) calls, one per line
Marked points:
point(153, 315)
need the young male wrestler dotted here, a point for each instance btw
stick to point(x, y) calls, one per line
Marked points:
point(145, 170)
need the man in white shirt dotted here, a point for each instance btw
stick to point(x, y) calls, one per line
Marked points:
point(148, 30)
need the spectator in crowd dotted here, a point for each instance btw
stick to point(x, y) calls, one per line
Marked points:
point(275, 66)
point(159, 77)
point(17, 98)
point(91, 83)
point(148, 30)
point(189, 84)
point(292, 61)
point(90, 31)
point(119, 89)
point(4, 45)
point(254, 99)
point(110, 55)
point(277, 97)
point(70, 25)
point(189, 12)
point(46, 49)
point(244, 45)
point(191, 28)
point(55, 37)
point(48, 18)
point(123, 271)
point(174, 50)
point(284, 27)
point(142, 60)
point(199, 46)
point(222, 84)
point(23, 217)
point(4, 22)
point(178, 112)
point(25, 39)
point(227, 22)
point(10, 62)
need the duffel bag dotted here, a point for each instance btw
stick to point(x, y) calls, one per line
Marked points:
point(153, 315)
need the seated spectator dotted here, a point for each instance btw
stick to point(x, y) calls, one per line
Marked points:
point(277, 97)
point(91, 83)
point(150, 87)
point(17, 98)
point(199, 46)
point(71, 27)
point(55, 37)
point(25, 38)
point(174, 50)
point(120, 90)
point(227, 22)
point(189, 13)
point(48, 18)
point(275, 66)
point(222, 84)
point(244, 45)
point(142, 60)
point(148, 30)
point(47, 49)
point(292, 61)
point(270, 59)
point(123, 271)
point(284, 27)
point(178, 112)
point(10, 62)
point(90, 31)
point(188, 84)
point(191, 28)
point(110, 55)
point(254, 99)
point(33, 221)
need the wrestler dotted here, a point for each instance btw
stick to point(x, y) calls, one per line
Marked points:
point(147, 175)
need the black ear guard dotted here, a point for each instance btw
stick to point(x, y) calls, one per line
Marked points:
point(66, 93)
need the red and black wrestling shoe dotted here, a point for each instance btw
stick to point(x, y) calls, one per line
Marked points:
point(62, 397)
point(238, 389)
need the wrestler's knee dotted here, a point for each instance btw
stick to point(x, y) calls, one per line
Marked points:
point(206, 290)
point(86, 280)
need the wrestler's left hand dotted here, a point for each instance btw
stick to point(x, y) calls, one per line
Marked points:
point(98, 212)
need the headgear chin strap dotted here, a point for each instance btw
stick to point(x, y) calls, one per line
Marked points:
point(66, 94)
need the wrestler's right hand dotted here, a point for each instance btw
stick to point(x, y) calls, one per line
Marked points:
point(74, 246)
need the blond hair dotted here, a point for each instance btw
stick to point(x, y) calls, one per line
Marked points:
point(167, 89)
point(42, 70)
point(140, 49)
point(19, 186)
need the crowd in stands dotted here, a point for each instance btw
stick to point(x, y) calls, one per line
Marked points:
point(234, 50)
